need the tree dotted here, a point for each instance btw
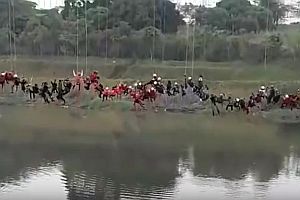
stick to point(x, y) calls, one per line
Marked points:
point(215, 17)
point(277, 8)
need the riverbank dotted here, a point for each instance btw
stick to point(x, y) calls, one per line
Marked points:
point(232, 77)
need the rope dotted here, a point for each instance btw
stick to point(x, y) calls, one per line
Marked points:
point(265, 58)
point(77, 38)
point(187, 48)
point(153, 40)
point(106, 40)
point(9, 34)
point(86, 37)
point(164, 30)
point(14, 30)
point(193, 53)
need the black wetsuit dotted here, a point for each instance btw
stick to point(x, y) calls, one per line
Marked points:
point(34, 91)
point(169, 87)
point(176, 90)
point(160, 88)
point(54, 87)
point(16, 84)
point(23, 85)
point(100, 89)
point(68, 87)
point(45, 91)
point(60, 92)
point(230, 104)
point(183, 93)
point(236, 104)
point(271, 96)
point(213, 100)
point(87, 85)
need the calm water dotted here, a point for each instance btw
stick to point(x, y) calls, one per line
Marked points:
point(63, 154)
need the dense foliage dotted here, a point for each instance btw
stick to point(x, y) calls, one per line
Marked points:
point(233, 30)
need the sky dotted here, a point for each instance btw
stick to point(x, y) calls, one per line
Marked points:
point(207, 3)
point(54, 3)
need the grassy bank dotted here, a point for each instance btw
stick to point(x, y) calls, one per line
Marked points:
point(221, 76)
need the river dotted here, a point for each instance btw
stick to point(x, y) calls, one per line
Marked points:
point(58, 154)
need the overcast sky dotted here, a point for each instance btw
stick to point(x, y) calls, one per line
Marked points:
point(209, 3)
point(53, 3)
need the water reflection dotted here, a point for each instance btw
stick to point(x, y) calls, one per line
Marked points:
point(203, 164)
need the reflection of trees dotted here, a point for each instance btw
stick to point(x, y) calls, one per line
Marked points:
point(140, 167)
point(233, 156)
point(235, 165)
point(146, 164)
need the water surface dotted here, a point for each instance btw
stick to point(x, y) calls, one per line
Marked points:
point(48, 153)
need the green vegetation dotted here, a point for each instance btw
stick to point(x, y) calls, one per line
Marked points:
point(151, 29)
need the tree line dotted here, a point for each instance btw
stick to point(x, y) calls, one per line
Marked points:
point(143, 29)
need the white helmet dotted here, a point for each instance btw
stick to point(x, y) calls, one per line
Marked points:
point(135, 84)
point(15, 76)
point(175, 83)
point(262, 87)
point(130, 87)
point(107, 88)
point(154, 75)
point(152, 88)
point(286, 96)
point(3, 73)
point(155, 82)
point(237, 99)
point(159, 78)
point(140, 83)
point(200, 79)
point(189, 78)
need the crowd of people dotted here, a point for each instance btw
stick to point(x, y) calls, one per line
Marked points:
point(150, 91)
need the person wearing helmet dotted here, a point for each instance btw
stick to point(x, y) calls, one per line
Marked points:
point(106, 93)
point(189, 82)
point(200, 83)
point(230, 104)
point(154, 78)
point(176, 89)
point(236, 104)
point(2, 79)
point(16, 83)
point(137, 100)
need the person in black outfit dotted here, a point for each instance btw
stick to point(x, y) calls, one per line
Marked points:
point(230, 104)
point(60, 92)
point(271, 94)
point(214, 106)
point(169, 87)
point(23, 85)
point(54, 87)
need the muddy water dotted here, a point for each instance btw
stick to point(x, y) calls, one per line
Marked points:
point(51, 153)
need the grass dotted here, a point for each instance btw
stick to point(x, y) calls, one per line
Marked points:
point(226, 76)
